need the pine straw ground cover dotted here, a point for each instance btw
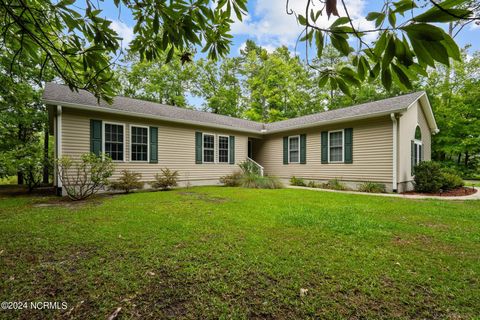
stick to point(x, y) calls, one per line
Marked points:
point(218, 252)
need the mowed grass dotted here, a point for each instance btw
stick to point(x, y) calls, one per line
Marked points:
point(216, 252)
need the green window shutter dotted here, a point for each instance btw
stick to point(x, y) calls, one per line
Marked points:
point(420, 149)
point(96, 136)
point(153, 145)
point(198, 147)
point(412, 155)
point(285, 150)
point(232, 150)
point(324, 146)
point(348, 152)
point(303, 148)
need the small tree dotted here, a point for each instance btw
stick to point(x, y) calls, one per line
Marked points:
point(86, 176)
point(127, 182)
point(166, 179)
point(26, 159)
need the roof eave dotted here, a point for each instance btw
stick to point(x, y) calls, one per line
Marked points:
point(143, 115)
point(427, 110)
point(340, 120)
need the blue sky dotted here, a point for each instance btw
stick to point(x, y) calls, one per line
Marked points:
point(268, 24)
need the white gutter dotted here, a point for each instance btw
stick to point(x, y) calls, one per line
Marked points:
point(339, 120)
point(395, 149)
point(149, 116)
point(58, 136)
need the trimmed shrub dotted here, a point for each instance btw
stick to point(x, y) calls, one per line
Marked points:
point(127, 182)
point(294, 181)
point(372, 187)
point(165, 180)
point(82, 179)
point(313, 184)
point(334, 184)
point(431, 177)
point(451, 181)
point(232, 180)
point(259, 182)
point(428, 177)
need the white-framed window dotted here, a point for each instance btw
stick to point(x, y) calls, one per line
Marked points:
point(139, 140)
point(417, 152)
point(114, 140)
point(294, 149)
point(208, 148)
point(223, 149)
point(336, 144)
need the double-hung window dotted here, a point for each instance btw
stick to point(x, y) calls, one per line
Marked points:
point(335, 147)
point(223, 149)
point(294, 149)
point(139, 143)
point(417, 152)
point(208, 148)
point(114, 141)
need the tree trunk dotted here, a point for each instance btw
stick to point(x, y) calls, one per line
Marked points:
point(466, 158)
point(45, 155)
point(19, 177)
point(459, 158)
point(21, 139)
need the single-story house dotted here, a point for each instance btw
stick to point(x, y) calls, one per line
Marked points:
point(379, 141)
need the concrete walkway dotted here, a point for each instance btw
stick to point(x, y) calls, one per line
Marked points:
point(475, 196)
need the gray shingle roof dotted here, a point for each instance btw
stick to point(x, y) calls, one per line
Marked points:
point(58, 94)
point(365, 109)
point(61, 93)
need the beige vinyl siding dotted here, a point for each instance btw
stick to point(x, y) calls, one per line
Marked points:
point(426, 135)
point(407, 125)
point(176, 146)
point(372, 153)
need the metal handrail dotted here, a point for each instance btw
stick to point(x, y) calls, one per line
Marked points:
point(257, 164)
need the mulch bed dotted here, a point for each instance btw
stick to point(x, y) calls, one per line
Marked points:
point(459, 192)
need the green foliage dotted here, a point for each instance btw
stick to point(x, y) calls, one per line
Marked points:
point(220, 85)
point(451, 181)
point(84, 177)
point(166, 179)
point(431, 177)
point(401, 51)
point(260, 182)
point(294, 181)
point(428, 177)
point(127, 182)
point(249, 168)
point(157, 80)
point(313, 184)
point(372, 187)
point(80, 44)
point(232, 180)
point(334, 184)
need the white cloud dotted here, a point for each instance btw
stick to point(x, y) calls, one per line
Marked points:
point(271, 26)
point(124, 31)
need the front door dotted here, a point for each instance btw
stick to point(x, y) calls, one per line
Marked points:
point(250, 149)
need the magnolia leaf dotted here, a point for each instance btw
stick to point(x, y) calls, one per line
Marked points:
point(424, 32)
point(437, 15)
point(387, 78)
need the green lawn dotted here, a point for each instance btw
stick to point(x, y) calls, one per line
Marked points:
point(215, 252)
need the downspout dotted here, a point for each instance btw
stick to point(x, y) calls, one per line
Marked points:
point(395, 149)
point(58, 138)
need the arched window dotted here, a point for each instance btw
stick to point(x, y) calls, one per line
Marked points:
point(418, 134)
